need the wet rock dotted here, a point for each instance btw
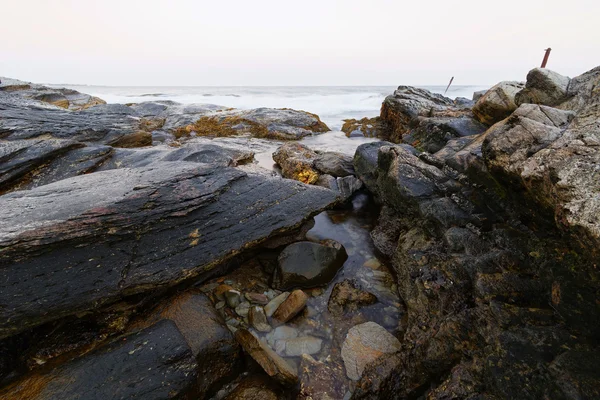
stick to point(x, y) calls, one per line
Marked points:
point(308, 264)
point(258, 319)
point(274, 304)
point(301, 345)
point(426, 120)
point(290, 307)
point(497, 103)
point(154, 363)
point(479, 94)
point(232, 297)
point(347, 297)
point(321, 380)
point(257, 298)
point(545, 87)
point(365, 162)
point(296, 162)
point(363, 345)
point(256, 387)
point(75, 230)
point(365, 127)
point(221, 290)
point(243, 309)
point(327, 181)
point(334, 164)
point(348, 185)
point(281, 333)
point(275, 366)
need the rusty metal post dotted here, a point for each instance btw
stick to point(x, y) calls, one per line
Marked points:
point(545, 61)
point(448, 87)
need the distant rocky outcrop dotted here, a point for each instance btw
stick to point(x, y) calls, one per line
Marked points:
point(494, 240)
point(365, 127)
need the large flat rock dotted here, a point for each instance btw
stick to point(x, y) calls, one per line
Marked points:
point(131, 230)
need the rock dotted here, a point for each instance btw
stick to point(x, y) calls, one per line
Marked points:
point(256, 387)
point(275, 366)
point(243, 309)
point(365, 127)
point(257, 298)
point(154, 363)
point(497, 103)
point(365, 162)
point(290, 307)
point(308, 264)
point(363, 345)
point(321, 380)
point(327, 181)
point(334, 164)
point(296, 162)
point(137, 139)
point(348, 185)
point(281, 333)
point(346, 297)
point(258, 319)
point(221, 290)
point(426, 120)
point(75, 230)
point(301, 345)
point(479, 94)
point(232, 297)
point(544, 87)
point(274, 304)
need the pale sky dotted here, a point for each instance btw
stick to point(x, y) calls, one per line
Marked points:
point(308, 42)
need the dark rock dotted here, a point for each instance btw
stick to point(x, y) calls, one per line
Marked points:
point(347, 297)
point(308, 264)
point(348, 185)
point(275, 366)
point(334, 164)
point(365, 162)
point(257, 387)
point(101, 230)
point(497, 103)
point(154, 363)
point(321, 380)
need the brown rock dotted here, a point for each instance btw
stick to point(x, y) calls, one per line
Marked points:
point(138, 139)
point(275, 366)
point(295, 302)
point(321, 381)
point(296, 162)
point(257, 298)
point(257, 387)
point(347, 297)
point(258, 319)
point(221, 290)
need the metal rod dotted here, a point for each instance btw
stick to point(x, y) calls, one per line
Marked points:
point(545, 61)
point(449, 85)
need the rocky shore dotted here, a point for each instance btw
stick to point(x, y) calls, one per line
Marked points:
point(144, 254)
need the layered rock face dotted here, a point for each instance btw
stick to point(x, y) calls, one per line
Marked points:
point(494, 241)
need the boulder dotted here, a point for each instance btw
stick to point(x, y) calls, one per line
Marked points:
point(497, 103)
point(290, 307)
point(426, 120)
point(348, 185)
point(257, 387)
point(296, 162)
point(101, 230)
point(334, 164)
point(544, 87)
point(275, 366)
point(363, 345)
point(347, 297)
point(479, 94)
point(308, 264)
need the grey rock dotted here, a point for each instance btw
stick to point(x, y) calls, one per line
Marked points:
point(334, 164)
point(302, 345)
point(258, 319)
point(544, 87)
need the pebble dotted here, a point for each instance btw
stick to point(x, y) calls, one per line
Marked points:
point(290, 307)
point(220, 305)
point(281, 332)
point(233, 298)
point(302, 345)
point(257, 298)
point(272, 306)
point(242, 309)
point(258, 319)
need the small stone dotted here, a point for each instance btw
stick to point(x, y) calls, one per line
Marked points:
point(364, 344)
point(292, 305)
point(302, 345)
point(272, 306)
point(271, 363)
point(258, 319)
point(220, 291)
point(281, 332)
point(347, 297)
point(373, 263)
point(220, 305)
point(243, 309)
point(233, 298)
point(257, 298)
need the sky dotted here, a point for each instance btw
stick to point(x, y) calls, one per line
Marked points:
point(308, 42)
